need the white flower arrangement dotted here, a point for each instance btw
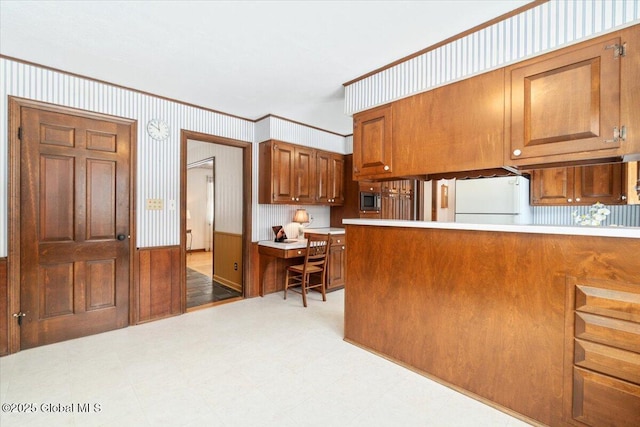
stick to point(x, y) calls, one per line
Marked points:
point(597, 213)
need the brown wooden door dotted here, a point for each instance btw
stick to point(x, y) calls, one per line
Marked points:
point(305, 172)
point(567, 103)
point(74, 204)
point(323, 177)
point(372, 139)
point(337, 263)
point(336, 179)
point(600, 183)
point(552, 186)
point(283, 173)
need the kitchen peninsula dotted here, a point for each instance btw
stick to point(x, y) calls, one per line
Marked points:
point(540, 322)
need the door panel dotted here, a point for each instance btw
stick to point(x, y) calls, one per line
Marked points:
point(74, 202)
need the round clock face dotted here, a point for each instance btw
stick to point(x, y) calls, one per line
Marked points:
point(158, 129)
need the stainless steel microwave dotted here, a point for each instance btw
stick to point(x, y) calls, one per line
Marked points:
point(369, 201)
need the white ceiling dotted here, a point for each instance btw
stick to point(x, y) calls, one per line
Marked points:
point(246, 58)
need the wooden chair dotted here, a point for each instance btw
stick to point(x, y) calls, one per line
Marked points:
point(313, 273)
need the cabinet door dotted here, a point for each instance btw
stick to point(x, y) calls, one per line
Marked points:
point(329, 178)
point(305, 179)
point(552, 186)
point(600, 183)
point(372, 139)
point(323, 177)
point(283, 174)
point(337, 263)
point(565, 103)
point(336, 179)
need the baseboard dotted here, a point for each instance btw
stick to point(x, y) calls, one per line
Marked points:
point(228, 283)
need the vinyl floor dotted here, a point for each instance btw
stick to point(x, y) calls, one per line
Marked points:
point(254, 362)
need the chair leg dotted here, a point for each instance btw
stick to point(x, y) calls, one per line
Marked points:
point(305, 282)
point(323, 288)
point(286, 284)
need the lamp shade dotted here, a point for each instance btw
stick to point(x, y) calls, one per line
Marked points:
point(301, 216)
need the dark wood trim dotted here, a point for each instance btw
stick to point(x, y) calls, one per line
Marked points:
point(247, 259)
point(13, 260)
point(177, 101)
point(450, 39)
point(4, 308)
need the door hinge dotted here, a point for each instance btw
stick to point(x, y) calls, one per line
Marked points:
point(618, 134)
point(20, 133)
point(19, 317)
point(618, 49)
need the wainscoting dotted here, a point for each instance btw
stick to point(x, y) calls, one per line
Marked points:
point(158, 292)
point(4, 307)
point(228, 259)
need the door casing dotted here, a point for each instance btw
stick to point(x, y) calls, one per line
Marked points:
point(247, 276)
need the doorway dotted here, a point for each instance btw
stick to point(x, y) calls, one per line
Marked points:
point(215, 217)
point(70, 223)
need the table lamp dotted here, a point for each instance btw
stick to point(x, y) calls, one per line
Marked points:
point(301, 216)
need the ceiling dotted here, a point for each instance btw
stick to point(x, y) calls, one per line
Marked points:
point(246, 58)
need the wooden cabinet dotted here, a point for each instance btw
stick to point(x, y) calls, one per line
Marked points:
point(453, 128)
point(397, 200)
point(337, 262)
point(372, 143)
point(604, 352)
point(293, 174)
point(582, 185)
point(564, 105)
point(304, 184)
point(329, 178)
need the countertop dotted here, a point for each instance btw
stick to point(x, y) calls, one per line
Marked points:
point(300, 243)
point(626, 232)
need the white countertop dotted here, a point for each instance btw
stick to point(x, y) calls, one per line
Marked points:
point(626, 232)
point(326, 230)
point(300, 243)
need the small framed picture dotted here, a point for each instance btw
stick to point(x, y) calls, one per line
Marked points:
point(278, 230)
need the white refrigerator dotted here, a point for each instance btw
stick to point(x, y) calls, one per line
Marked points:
point(499, 200)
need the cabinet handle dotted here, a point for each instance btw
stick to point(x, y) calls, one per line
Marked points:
point(338, 240)
point(386, 167)
point(623, 197)
point(297, 199)
point(517, 152)
point(569, 200)
point(293, 199)
point(299, 252)
point(343, 248)
point(577, 199)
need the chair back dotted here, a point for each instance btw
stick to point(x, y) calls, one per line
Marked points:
point(317, 251)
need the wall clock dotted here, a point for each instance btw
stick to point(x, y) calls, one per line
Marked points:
point(158, 129)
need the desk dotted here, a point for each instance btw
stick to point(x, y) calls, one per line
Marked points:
point(274, 260)
point(275, 257)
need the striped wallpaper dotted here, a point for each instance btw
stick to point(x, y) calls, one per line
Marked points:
point(546, 27)
point(628, 216)
point(158, 163)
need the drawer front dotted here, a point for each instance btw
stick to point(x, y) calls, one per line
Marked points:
point(599, 400)
point(338, 239)
point(612, 332)
point(295, 253)
point(620, 301)
point(618, 363)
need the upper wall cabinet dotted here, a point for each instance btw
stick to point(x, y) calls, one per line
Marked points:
point(457, 127)
point(565, 103)
point(293, 174)
point(329, 178)
point(580, 185)
point(372, 141)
